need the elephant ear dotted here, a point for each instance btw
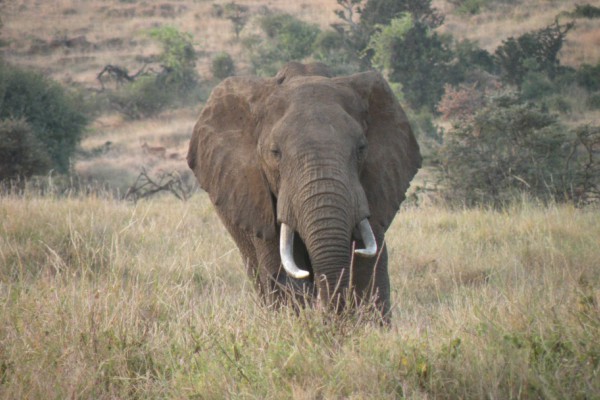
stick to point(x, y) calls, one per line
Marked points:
point(393, 156)
point(223, 155)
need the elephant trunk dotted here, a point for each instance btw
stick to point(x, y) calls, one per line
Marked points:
point(329, 248)
point(325, 222)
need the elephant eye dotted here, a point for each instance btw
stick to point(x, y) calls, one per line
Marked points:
point(276, 153)
point(362, 151)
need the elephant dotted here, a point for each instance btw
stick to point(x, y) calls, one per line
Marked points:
point(307, 171)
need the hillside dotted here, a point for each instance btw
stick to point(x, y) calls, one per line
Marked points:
point(72, 41)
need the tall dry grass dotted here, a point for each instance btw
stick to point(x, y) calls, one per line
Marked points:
point(106, 299)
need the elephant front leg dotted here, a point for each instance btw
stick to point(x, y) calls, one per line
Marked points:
point(371, 282)
point(279, 287)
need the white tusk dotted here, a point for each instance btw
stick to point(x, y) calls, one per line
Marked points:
point(368, 238)
point(286, 251)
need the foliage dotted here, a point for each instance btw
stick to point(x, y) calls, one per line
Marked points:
point(145, 97)
point(236, 13)
point(469, 6)
point(382, 12)
point(285, 38)
point(509, 147)
point(428, 134)
point(354, 37)
point(537, 85)
point(416, 57)
point(461, 104)
point(222, 66)
point(2, 42)
point(21, 153)
point(588, 77)
point(330, 48)
point(593, 101)
point(585, 11)
point(375, 14)
point(178, 58)
point(293, 37)
point(585, 155)
point(470, 57)
point(535, 51)
point(55, 117)
point(148, 93)
point(384, 40)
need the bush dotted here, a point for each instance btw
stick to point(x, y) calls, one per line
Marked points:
point(55, 117)
point(588, 77)
point(21, 153)
point(178, 58)
point(585, 11)
point(177, 82)
point(286, 38)
point(236, 13)
point(222, 66)
point(382, 12)
point(469, 6)
point(145, 97)
point(460, 104)
point(416, 57)
point(331, 48)
point(537, 85)
point(471, 57)
point(535, 51)
point(585, 162)
point(508, 148)
point(593, 101)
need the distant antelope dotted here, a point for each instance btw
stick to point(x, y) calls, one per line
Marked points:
point(156, 151)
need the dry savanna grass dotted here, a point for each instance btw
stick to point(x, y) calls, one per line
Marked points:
point(107, 299)
point(103, 299)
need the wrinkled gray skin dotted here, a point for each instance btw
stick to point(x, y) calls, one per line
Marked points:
point(317, 153)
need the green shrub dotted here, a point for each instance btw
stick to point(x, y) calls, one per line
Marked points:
point(593, 101)
point(588, 77)
point(176, 83)
point(470, 56)
point(535, 51)
point(178, 58)
point(55, 116)
point(286, 38)
point(508, 148)
point(145, 97)
point(469, 6)
point(222, 66)
point(585, 11)
point(21, 153)
point(536, 85)
point(331, 48)
point(236, 13)
point(416, 57)
point(382, 12)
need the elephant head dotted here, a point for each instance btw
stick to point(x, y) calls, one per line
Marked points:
point(309, 160)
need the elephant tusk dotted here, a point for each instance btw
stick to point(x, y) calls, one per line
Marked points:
point(286, 251)
point(368, 238)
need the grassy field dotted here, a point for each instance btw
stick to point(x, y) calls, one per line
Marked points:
point(106, 299)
